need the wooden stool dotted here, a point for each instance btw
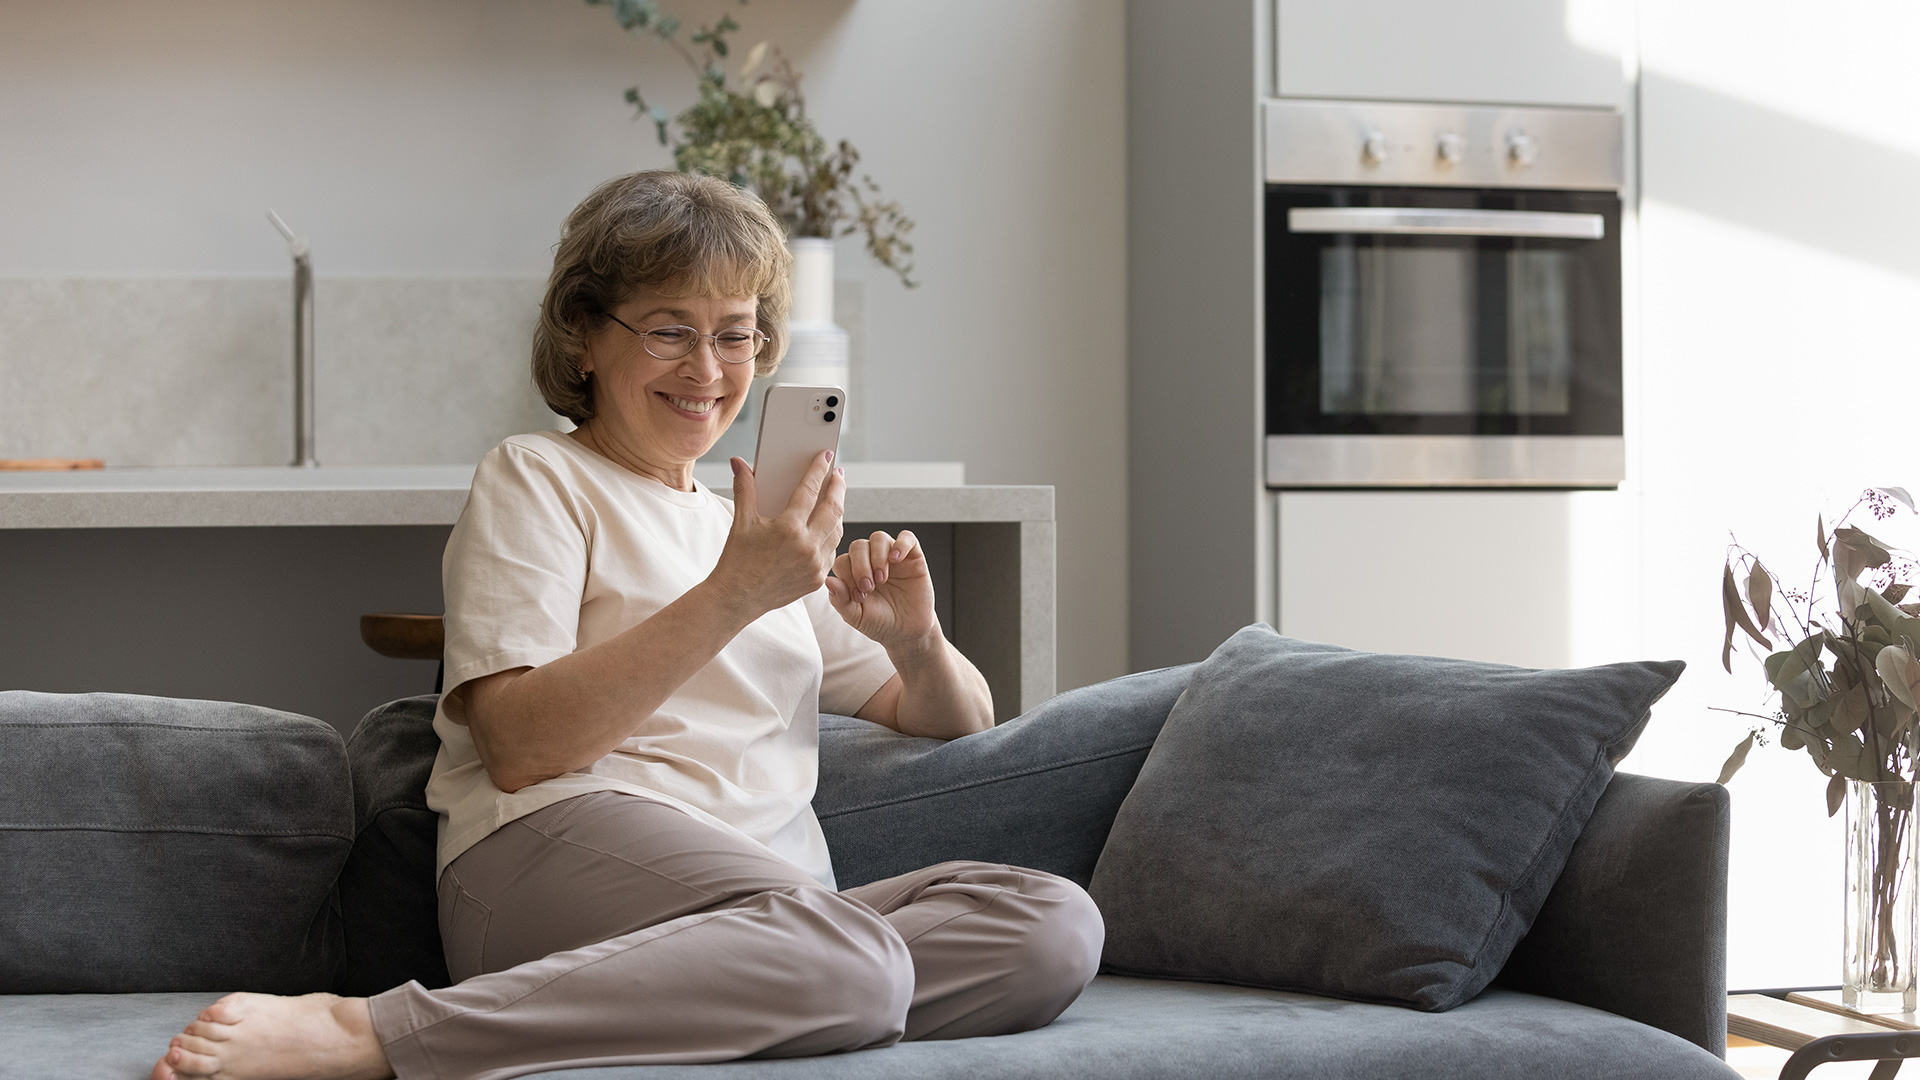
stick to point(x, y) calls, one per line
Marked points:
point(407, 637)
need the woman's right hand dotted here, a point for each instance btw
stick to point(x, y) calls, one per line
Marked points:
point(769, 562)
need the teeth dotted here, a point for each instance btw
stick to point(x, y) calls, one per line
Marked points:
point(693, 406)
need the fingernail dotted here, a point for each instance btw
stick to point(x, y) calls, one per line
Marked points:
point(839, 471)
point(866, 584)
point(829, 455)
point(896, 555)
point(735, 464)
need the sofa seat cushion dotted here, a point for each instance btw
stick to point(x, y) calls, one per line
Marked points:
point(1120, 1029)
point(158, 844)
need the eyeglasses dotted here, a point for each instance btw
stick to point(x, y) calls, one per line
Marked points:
point(735, 344)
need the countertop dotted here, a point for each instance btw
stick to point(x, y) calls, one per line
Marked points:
point(426, 495)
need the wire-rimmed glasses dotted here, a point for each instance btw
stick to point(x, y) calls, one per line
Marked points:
point(733, 344)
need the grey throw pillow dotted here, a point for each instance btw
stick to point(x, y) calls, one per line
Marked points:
point(1375, 827)
point(388, 899)
point(1038, 791)
point(154, 844)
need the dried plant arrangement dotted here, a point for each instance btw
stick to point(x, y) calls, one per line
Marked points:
point(1847, 678)
point(752, 128)
point(1848, 691)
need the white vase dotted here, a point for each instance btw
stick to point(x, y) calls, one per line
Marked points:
point(817, 347)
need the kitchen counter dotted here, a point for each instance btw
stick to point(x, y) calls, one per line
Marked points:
point(246, 583)
point(426, 495)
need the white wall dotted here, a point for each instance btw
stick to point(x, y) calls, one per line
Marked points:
point(424, 144)
point(1780, 277)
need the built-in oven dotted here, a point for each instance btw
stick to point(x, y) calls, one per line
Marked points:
point(1443, 298)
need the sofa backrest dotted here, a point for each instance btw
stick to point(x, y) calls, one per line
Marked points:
point(156, 844)
point(1039, 791)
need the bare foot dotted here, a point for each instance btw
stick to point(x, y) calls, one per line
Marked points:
point(263, 1037)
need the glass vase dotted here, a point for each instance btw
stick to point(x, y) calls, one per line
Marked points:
point(1881, 915)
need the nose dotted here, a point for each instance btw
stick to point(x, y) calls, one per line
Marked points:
point(704, 360)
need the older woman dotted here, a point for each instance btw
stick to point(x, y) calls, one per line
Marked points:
point(630, 871)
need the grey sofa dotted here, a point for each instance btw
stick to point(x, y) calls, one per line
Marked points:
point(155, 853)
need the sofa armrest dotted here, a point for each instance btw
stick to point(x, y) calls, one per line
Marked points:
point(1637, 923)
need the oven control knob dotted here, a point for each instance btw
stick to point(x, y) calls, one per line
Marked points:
point(1450, 148)
point(1522, 149)
point(1374, 149)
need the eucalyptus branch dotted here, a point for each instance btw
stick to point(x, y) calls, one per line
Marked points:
point(1768, 719)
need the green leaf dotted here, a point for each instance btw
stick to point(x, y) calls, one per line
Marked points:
point(1898, 493)
point(1736, 614)
point(1760, 594)
point(1854, 552)
point(1850, 710)
point(1900, 672)
point(1799, 668)
point(1836, 794)
point(1791, 737)
point(1736, 759)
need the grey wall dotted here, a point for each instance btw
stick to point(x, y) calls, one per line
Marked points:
point(430, 149)
point(269, 616)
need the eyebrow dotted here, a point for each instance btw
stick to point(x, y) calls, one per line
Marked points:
point(683, 314)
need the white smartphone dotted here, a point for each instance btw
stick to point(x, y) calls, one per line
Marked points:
point(796, 423)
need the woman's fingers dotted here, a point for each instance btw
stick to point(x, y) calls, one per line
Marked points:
point(804, 504)
point(830, 505)
point(904, 545)
point(879, 547)
point(859, 567)
point(743, 501)
point(837, 592)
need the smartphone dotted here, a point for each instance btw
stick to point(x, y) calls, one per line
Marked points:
point(796, 423)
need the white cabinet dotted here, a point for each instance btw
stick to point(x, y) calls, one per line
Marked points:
point(1509, 52)
point(1481, 575)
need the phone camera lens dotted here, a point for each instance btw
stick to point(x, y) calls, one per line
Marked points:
point(828, 418)
point(832, 401)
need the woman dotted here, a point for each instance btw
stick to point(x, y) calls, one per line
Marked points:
point(630, 871)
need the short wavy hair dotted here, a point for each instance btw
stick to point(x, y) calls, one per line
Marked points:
point(680, 233)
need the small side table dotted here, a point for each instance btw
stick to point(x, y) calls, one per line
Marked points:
point(1818, 1030)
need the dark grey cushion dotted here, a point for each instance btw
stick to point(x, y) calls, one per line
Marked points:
point(1375, 827)
point(1120, 1029)
point(387, 900)
point(155, 844)
point(1038, 791)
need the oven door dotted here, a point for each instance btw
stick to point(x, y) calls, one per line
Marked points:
point(1442, 337)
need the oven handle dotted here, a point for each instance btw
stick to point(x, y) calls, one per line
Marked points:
point(1435, 221)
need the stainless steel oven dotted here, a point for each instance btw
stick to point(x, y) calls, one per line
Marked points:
point(1442, 296)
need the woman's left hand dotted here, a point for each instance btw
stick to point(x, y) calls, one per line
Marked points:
point(881, 586)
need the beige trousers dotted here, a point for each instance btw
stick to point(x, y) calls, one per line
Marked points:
point(613, 930)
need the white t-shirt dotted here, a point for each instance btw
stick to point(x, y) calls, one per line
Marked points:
point(560, 549)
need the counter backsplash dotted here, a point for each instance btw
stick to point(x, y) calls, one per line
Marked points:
point(200, 371)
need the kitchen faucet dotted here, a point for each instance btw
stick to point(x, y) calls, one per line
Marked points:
point(302, 343)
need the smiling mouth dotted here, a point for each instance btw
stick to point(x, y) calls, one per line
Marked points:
point(698, 408)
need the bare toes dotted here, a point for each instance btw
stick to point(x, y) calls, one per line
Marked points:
point(213, 1032)
point(188, 1064)
point(194, 1044)
point(163, 1071)
point(227, 1010)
